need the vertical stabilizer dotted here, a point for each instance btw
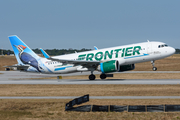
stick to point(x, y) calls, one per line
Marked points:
point(23, 53)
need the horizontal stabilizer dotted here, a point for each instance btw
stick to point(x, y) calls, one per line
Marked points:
point(18, 67)
point(44, 53)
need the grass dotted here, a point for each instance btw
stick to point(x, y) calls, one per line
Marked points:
point(7, 60)
point(54, 109)
point(167, 64)
point(93, 90)
point(45, 109)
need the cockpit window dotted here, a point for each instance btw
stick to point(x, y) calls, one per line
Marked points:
point(161, 46)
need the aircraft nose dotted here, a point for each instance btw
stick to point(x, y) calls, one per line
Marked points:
point(172, 50)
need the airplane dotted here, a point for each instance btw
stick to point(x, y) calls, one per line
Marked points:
point(107, 60)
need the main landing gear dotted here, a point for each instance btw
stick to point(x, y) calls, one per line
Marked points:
point(103, 76)
point(154, 68)
point(92, 76)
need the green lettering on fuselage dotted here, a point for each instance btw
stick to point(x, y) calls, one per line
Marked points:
point(136, 50)
point(99, 56)
point(128, 51)
point(122, 55)
point(90, 56)
point(108, 54)
point(81, 57)
point(125, 52)
point(117, 52)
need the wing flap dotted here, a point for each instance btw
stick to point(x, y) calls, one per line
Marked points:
point(76, 62)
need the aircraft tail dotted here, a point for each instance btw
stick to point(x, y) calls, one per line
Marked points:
point(23, 53)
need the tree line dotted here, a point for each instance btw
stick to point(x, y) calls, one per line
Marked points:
point(51, 52)
point(54, 52)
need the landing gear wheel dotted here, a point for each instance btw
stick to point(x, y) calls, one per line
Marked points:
point(153, 64)
point(92, 77)
point(154, 68)
point(103, 76)
point(7, 69)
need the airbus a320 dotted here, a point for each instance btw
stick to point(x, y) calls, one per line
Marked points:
point(107, 60)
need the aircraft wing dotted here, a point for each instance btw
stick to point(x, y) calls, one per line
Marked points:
point(75, 62)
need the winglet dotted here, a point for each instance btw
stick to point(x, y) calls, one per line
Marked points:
point(95, 48)
point(44, 53)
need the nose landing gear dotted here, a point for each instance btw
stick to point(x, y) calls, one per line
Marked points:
point(153, 64)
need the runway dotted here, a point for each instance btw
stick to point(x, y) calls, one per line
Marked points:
point(16, 77)
point(91, 97)
point(88, 82)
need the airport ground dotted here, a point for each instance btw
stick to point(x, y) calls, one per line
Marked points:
point(41, 109)
point(92, 90)
point(53, 109)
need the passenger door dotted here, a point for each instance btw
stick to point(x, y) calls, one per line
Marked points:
point(149, 48)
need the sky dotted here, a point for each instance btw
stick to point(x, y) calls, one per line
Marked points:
point(77, 24)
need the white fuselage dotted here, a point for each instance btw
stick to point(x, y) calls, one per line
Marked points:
point(128, 54)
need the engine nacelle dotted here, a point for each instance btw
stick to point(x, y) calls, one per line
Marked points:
point(126, 67)
point(109, 66)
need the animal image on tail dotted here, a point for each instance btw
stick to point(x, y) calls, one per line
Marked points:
point(23, 53)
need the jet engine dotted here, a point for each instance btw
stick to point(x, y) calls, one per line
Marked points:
point(109, 66)
point(126, 67)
